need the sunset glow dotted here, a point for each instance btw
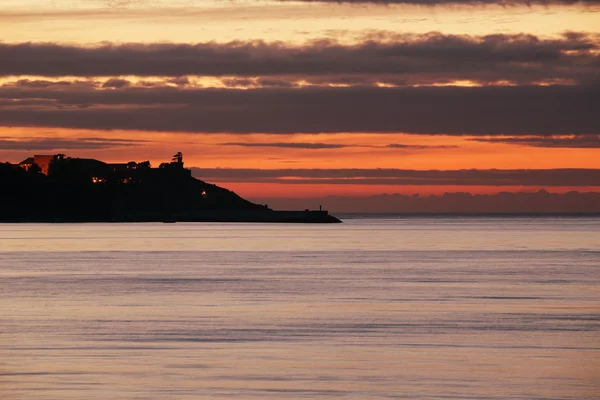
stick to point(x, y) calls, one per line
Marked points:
point(278, 85)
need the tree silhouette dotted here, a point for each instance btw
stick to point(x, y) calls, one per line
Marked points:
point(57, 164)
point(178, 158)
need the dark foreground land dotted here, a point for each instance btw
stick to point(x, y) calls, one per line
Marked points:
point(81, 190)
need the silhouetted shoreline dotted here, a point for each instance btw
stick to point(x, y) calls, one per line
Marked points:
point(540, 202)
point(56, 189)
point(269, 216)
point(351, 215)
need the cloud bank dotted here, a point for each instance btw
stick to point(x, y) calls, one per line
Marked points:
point(502, 3)
point(522, 110)
point(399, 59)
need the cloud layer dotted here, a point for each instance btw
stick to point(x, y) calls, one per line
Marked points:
point(523, 110)
point(45, 144)
point(383, 57)
point(320, 146)
point(575, 142)
point(471, 177)
point(458, 2)
point(123, 3)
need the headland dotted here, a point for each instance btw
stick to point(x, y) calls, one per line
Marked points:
point(57, 188)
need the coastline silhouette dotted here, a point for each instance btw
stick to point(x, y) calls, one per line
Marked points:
point(58, 188)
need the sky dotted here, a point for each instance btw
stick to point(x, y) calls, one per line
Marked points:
point(309, 99)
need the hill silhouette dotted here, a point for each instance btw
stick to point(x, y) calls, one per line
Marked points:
point(87, 190)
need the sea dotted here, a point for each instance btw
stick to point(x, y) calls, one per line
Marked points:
point(383, 307)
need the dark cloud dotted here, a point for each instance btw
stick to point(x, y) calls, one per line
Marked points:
point(125, 3)
point(410, 181)
point(21, 103)
point(392, 58)
point(116, 83)
point(39, 83)
point(416, 146)
point(524, 110)
point(310, 146)
point(503, 3)
point(579, 142)
point(274, 82)
point(472, 177)
point(64, 144)
point(318, 146)
point(45, 83)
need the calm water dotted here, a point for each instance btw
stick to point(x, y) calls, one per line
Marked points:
point(415, 308)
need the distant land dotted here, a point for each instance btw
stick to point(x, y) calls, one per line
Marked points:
point(541, 202)
point(57, 188)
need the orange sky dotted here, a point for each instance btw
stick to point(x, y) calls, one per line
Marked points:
point(90, 21)
point(213, 151)
point(87, 22)
point(210, 151)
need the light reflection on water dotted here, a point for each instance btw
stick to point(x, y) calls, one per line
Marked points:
point(388, 308)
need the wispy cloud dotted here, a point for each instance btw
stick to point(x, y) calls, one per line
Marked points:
point(391, 176)
point(319, 146)
point(306, 146)
point(65, 144)
point(578, 142)
point(458, 2)
point(504, 3)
